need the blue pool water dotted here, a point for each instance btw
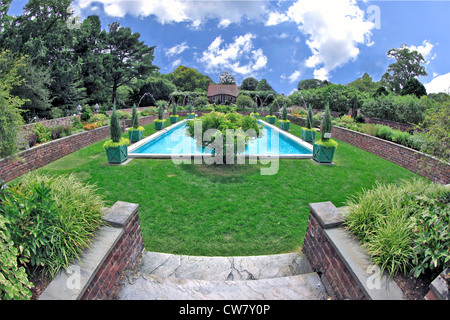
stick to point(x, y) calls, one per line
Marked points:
point(176, 141)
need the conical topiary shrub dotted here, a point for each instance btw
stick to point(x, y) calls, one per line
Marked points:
point(160, 122)
point(323, 149)
point(308, 132)
point(136, 132)
point(271, 118)
point(284, 123)
point(117, 147)
point(174, 116)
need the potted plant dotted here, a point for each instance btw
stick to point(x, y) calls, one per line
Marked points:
point(271, 118)
point(191, 115)
point(308, 132)
point(174, 116)
point(323, 149)
point(284, 123)
point(255, 112)
point(160, 122)
point(117, 147)
point(136, 132)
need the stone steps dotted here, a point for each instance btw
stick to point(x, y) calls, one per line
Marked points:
point(161, 276)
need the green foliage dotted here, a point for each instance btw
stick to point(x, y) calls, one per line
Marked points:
point(134, 118)
point(414, 87)
point(327, 143)
point(76, 215)
point(392, 221)
point(431, 217)
point(284, 113)
point(263, 85)
point(226, 78)
point(101, 118)
point(244, 101)
point(111, 144)
point(222, 122)
point(326, 125)
point(309, 118)
point(160, 112)
point(14, 283)
point(407, 66)
point(249, 84)
point(31, 213)
point(189, 79)
point(115, 128)
point(43, 133)
point(10, 118)
point(224, 108)
point(436, 127)
point(174, 109)
point(85, 116)
point(385, 132)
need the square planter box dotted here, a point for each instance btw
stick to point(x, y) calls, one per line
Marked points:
point(117, 155)
point(323, 154)
point(308, 136)
point(135, 135)
point(191, 115)
point(284, 125)
point(159, 125)
point(173, 119)
point(271, 120)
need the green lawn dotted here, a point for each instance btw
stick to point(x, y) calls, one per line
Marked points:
point(227, 210)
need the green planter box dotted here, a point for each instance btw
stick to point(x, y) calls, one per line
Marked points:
point(117, 155)
point(323, 154)
point(159, 125)
point(173, 119)
point(135, 135)
point(191, 115)
point(308, 136)
point(255, 115)
point(284, 125)
point(271, 120)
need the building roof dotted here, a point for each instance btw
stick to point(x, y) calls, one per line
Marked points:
point(228, 89)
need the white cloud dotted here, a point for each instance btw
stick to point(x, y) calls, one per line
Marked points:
point(276, 18)
point(439, 84)
point(175, 11)
point(176, 50)
point(334, 29)
point(224, 23)
point(295, 76)
point(425, 49)
point(238, 57)
point(176, 63)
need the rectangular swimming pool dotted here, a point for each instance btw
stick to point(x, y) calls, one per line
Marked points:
point(174, 142)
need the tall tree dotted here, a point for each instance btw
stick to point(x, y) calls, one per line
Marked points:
point(249, 84)
point(89, 45)
point(189, 79)
point(126, 57)
point(408, 66)
point(263, 86)
point(226, 78)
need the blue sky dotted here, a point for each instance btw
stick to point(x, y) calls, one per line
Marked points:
point(284, 41)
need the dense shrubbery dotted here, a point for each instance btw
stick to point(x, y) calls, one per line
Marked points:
point(49, 221)
point(416, 140)
point(405, 227)
point(405, 109)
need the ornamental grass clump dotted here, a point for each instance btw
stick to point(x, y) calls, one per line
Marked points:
point(404, 227)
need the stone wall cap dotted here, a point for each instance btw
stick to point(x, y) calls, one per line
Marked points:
point(120, 213)
point(327, 214)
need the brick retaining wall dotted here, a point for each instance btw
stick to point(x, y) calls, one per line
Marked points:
point(46, 153)
point(337, 256)
point(114, 249)
point(410, 159)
